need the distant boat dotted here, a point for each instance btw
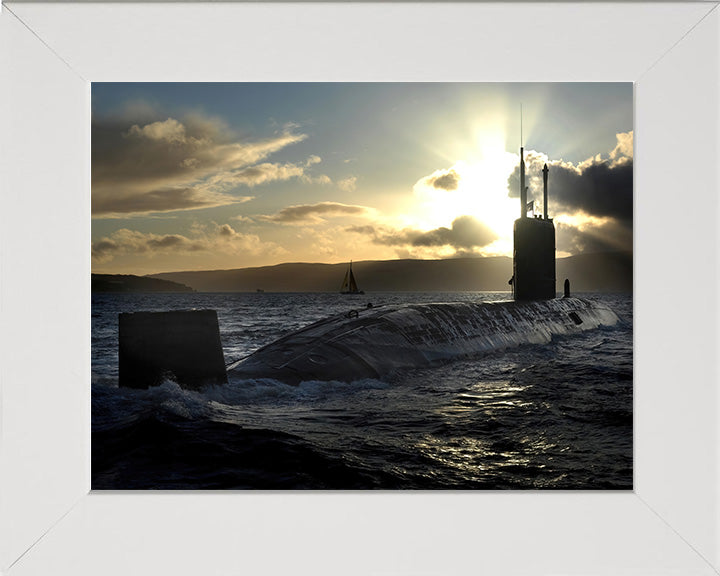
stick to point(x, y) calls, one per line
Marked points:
point(349, 285)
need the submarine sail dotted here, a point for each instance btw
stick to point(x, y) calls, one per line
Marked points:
point(533, 247)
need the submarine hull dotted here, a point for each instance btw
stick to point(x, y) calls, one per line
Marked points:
point(375, 342)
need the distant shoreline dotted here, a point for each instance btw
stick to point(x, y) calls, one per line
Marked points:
point(123, 283)
point(597, 272)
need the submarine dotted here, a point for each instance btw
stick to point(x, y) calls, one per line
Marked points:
point(379, 341)
point(371, 342)
point(376, 341)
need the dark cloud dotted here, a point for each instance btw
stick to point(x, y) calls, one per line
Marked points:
point(168, 165)
point(601, 188)
point(466, 233)
point(160, 200)
point(173, 242)
point(308, 213)
point(607, 236)
point(125, 154)
point(104, 249)
point(364, 230)
point(212, 239)
point(126, 241)
point(598, 187)
point(447, 181)
point(227, 230)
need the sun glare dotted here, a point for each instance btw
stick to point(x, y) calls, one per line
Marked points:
point(475, 186)
point(581, 221)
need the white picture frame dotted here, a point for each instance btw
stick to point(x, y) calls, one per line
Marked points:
point(50, 523)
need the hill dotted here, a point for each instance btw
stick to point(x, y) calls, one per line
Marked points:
point(601, 272)
point(598, 272)
point(130, 283)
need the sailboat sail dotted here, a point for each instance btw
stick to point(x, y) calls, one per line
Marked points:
point(353, 284)
point(349, 285)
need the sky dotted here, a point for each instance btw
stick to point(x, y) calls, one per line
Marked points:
point(232, 175)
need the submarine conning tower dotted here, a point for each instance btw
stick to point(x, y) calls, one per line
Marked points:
point(533, 246)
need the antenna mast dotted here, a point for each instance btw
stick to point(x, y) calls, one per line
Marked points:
point(523, 191)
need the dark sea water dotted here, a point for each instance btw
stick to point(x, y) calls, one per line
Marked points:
point(552, 416)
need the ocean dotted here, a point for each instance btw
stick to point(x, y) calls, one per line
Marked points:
point(541, 416)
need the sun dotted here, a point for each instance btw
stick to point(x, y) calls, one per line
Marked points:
point(475, 187)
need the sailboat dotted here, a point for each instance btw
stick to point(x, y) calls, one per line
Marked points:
point(349, 285)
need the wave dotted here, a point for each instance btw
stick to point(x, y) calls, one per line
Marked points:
point(175, 454)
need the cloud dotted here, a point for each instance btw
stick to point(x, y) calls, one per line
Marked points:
point(310, 213)
point(168, 165)
point(319, 179)
point(212, 239)
point(442, 180)
point(597, 186)
point(227, 231)
point(161, 201)
point(366, 230)
point(126, 241)
point(170, 130)
point(591, 201)
point(467, 234)
point(605, 236)
point(259, 174)
point(601, 189)
point(347, 184)
point(624, 147)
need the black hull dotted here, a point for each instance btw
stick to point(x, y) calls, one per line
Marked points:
point(373, 342)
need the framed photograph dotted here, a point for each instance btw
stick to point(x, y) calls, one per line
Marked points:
point(357, 285)
point(56, 61)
